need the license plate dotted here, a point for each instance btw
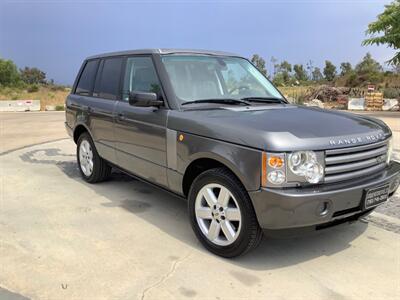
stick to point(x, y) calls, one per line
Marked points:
point(376, 196)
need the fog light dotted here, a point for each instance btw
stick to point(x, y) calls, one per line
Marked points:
point(394, 185)
point(323, 209)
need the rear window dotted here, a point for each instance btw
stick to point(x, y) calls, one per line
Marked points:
point(107, 83)
point(86, 81)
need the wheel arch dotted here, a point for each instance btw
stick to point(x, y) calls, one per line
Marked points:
point(78, 130)
point(205, 161)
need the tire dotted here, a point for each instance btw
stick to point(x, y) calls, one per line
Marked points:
point(96, 171)
point(244, 232)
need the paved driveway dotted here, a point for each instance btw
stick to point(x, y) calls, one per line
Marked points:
point(61, 238)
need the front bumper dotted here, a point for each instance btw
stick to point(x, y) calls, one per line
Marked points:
point(301, 207)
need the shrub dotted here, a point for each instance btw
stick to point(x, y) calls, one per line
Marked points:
point(8, 73)
point(60, 107)
point(56, 87)
point(33, 88)
point(391, 93)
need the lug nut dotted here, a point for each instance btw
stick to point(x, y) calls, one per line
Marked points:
point(221, 209)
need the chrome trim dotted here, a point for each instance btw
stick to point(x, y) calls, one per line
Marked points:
point(353, 166)
point(329, 160)
point(356, 148)
point(351, 175)
point(171, 149)
point(352, 162)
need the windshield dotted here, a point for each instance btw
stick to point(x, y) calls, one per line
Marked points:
point(199, 77)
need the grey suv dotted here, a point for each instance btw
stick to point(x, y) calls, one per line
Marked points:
point(209, 127)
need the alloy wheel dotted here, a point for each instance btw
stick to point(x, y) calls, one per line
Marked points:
point(86, 158)
point(218, 214)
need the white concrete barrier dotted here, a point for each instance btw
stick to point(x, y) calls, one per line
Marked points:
point(390, 104)
point(19, 105)
point(356, 104)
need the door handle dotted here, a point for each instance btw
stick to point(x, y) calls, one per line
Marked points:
point(85, 108)
point(121, 116)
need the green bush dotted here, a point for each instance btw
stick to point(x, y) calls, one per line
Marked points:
point(33, 88)
point(57, 87)
point(60, 107)
point(391, 93)
point(8, 73)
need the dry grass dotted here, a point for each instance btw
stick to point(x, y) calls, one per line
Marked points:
point(46, 95)
point(295, 92)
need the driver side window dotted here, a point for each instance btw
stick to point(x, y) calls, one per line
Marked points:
point(140, 76)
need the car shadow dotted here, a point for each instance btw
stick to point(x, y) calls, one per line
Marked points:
point(169, 213)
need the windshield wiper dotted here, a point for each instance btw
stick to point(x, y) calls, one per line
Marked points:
point(264, 99)
point(223, 101)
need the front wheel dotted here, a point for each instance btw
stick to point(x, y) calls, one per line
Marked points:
point(222, 215)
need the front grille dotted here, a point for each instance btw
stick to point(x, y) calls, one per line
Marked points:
point(355, 162)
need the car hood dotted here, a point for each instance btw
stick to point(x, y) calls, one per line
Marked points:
point(280, 127)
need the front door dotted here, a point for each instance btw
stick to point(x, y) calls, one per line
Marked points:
point(140, 132)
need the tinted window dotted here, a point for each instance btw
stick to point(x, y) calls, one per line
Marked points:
point(85, 84)
point(140, 75)
point(107, 85)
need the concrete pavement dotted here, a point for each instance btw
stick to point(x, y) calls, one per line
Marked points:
point(24, 129)
point(62, 238)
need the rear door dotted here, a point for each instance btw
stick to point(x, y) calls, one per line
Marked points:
point(102, 105)
point(140, 132)
point(77, 109)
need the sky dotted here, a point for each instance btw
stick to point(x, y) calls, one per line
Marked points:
point(56, 36)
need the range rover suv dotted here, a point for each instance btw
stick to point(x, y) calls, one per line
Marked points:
point(209, 127)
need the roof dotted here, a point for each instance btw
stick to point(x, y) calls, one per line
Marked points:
point(163, 51)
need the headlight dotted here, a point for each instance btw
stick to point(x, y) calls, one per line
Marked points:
point(305, 164)
point(389, 151)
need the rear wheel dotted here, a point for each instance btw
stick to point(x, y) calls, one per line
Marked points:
point(92, 167)
point(222, 215)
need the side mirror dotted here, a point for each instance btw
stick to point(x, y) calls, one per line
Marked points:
point(144, 99)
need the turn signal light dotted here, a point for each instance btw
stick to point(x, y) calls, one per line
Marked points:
point(275, 162)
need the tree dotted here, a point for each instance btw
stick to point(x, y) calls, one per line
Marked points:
point(396, 69)
point(274, 64)
point(259, 62)
point(310, 68)
point(388, 25)
point(299, 73)
point(33, 75)
point(329, 71)
point(8, 73)
point(285, 69)
point(368, 65)
point(316, 74)
point(345, 68)
point(369, 70)
point(278, 80)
